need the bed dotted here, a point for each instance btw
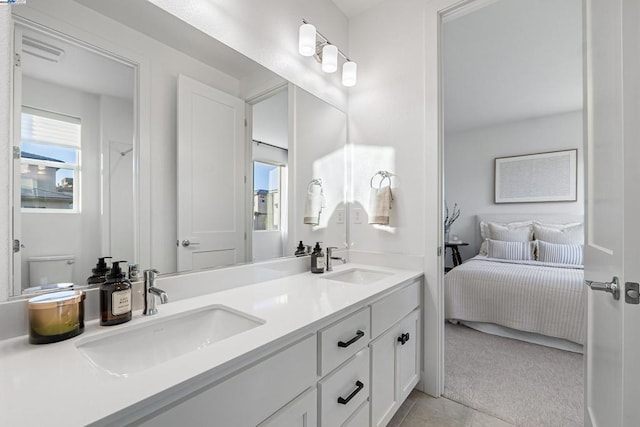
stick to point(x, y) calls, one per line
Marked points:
point(535, 299)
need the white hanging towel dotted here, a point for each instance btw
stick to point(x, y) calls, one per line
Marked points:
point(380, 205)
point(313, 205)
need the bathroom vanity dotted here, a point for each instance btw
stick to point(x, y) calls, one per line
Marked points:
point(341, 348)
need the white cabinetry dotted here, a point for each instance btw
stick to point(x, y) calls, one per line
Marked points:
point(249, 397)
point(336, 377)
point(301, 412)
point(395, 366)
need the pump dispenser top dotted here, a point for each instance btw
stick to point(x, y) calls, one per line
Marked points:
point(99, 272)
point(116, 273)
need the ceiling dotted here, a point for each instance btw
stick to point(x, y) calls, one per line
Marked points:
point(352, 8)
point(145, 17)
point(77, 67)
point(512, 60)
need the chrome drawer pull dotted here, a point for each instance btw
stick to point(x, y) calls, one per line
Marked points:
point(359, 335)
point(343, 401)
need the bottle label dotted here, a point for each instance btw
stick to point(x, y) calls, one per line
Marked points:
point(121, 302)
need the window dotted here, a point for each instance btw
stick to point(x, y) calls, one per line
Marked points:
point(50, 162)
point(267, 193)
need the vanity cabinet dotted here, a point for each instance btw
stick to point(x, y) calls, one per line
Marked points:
point(395, 353)
point(354, 372)
point(251, 396)
point(301, 412)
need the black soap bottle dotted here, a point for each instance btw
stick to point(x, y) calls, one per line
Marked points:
point(100, 272)
point(301, 251)
point(115, 297)
point(317, 259)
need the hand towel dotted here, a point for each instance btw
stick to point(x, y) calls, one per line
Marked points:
point(313, 205)
point(380, 205)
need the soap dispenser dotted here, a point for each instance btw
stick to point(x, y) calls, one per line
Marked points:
point(317, 259)
point(115, 297)
point(100, 272)
point(301, 250)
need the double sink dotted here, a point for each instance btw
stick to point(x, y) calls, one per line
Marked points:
point(152, 343)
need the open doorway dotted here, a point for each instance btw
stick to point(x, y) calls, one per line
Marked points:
point(512, 85)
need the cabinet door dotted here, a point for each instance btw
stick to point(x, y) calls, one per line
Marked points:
point(301, 412)
point(384, 401)
point(408, 355)
point(395, 368)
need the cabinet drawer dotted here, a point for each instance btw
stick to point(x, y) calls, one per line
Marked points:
point(342, 392)
point(391, 309)
point(343, 339)
point(241, 400)
point(360, 418)
point(301, 412)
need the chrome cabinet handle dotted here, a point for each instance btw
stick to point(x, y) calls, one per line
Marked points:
point(187, 243)
point(612, 287)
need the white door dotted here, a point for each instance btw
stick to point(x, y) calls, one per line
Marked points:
point(17, 139)
point(612, 352)
point(211, 205)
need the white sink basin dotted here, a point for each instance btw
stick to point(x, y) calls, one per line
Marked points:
point(359, 276)
point(141, 347)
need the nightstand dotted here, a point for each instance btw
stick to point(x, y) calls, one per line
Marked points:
point(455, 253)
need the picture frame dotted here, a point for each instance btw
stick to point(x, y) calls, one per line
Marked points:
point(537, 178)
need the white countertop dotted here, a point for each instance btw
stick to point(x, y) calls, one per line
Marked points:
point(55, 384)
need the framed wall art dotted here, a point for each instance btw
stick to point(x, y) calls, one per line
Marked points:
point(540, 177)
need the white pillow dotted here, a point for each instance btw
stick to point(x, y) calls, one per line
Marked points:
point(559, 233)
point(513, 251)
point(503, 232)
point(559, 253)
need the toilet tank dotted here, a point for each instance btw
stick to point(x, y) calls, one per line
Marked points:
point(44, 270)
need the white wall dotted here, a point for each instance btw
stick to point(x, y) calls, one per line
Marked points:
point(386, 122)
point(320, 136)
point(469, 168)
point(116, 137)
point(271, 120)
point(77, 234)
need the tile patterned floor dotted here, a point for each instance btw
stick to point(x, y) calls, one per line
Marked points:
point(421, 410)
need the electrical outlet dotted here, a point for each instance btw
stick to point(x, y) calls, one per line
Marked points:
point(339, 216)
point(357, 216)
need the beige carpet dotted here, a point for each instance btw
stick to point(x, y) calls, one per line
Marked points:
point(522, 383)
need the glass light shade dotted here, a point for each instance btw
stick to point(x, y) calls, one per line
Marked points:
point(349, 73)
point(329, 58)
point(307, 40)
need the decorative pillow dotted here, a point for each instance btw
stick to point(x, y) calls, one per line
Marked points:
point(514, 232)
point(502, 232)
point(559, 253)
point(513, 251)
point(560, 234)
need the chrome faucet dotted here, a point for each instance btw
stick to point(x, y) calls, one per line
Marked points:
point(150, 293)
point(330, 257)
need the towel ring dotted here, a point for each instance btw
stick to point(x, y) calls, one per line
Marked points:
point(384, 175)
point(315, 181)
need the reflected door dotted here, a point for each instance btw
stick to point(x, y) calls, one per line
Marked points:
point(211, 208)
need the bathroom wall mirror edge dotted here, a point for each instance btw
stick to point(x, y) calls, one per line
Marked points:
point(153, 235)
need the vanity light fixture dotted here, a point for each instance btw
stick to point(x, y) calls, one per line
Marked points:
point(312, 43)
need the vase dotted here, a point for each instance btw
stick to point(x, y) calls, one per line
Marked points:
point(446, 234)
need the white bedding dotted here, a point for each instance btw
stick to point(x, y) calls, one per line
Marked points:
point(528, 296)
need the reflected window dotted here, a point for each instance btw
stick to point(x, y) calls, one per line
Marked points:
point(50, 162)
point(267, 194)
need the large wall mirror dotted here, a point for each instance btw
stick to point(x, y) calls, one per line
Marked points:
point(165, 148)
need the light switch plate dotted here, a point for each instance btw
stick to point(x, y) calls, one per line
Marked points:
point(339, 216)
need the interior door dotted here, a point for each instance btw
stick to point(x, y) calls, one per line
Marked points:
point(17, 137)
point(611, 247)
point(211, 205)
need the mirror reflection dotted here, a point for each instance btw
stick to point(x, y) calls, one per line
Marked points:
point(169, 175)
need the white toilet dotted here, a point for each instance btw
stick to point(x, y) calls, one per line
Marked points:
point(45, 270)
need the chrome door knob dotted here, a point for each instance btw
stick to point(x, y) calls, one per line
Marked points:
point(187, 243)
